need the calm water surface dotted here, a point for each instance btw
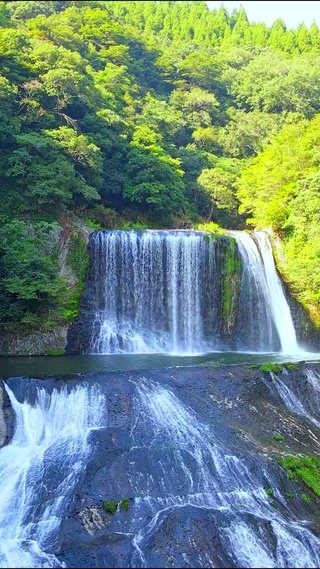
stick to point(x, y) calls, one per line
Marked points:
point(39, 366)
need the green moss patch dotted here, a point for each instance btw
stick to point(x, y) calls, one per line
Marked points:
point(124, 504)
point(231, 282)
point(275, 368)
point(111, 506)
point(57, 352)
point(290, 366)
point(290, 495)
point(278, 437)
point(305, 468)
point(278, 367)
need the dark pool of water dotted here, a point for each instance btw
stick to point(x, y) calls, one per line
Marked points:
point(39, 366)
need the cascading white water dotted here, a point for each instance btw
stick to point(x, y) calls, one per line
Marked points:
point(279, 304)
point(149, 292)
point(301, 399)
point(179, 292)
point(314, 380)
point(195, 469)
point(39, 469)
point(263, 281)
point(177, 462)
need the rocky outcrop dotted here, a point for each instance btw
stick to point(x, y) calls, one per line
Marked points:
point(6, 417)
point(33, 344)
point(308, 334)
point(3, 426)
point(71, 242)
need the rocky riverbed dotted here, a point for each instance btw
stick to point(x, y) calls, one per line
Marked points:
point(186, 458)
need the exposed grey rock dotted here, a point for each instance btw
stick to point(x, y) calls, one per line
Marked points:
point(6, 417)
point(32, 344)
point(3, 426)
point(241, 409)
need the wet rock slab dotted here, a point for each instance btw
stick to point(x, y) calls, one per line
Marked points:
point(244, 411)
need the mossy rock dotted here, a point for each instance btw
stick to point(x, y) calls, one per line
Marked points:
point(278, 437)
point(306, 498)
point(290, 366)
point(124, 504)
point(57, 352)
point(231, 284)
point(305, 468)
point(110, 506)
point(275, 368)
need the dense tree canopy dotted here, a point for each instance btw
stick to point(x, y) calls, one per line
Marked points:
point(155, 113)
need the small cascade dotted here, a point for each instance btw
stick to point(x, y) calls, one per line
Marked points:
point(302, 398)
point(313, 379)
point(194, 470)
point(39, 470)
point(265, 315)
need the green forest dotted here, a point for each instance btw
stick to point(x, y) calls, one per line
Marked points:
point(150, 114)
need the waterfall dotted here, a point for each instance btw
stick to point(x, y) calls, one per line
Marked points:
point(40, 468)
point(173, 292)
point(278, 301)
point(186, 466)
point(149, 291)
point(268, 304)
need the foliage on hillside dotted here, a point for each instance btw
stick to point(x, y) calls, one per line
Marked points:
point(151, 113)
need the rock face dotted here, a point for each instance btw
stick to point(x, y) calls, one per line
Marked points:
point(72, 242)
point(6, 417)
point(3, 426)
point(33, 344)
point(308, 334)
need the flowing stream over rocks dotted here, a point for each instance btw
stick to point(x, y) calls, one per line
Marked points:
point(301, 398)
point(40, 468)
point(191, 450)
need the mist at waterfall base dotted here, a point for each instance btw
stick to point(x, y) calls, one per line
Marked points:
point(189, 446)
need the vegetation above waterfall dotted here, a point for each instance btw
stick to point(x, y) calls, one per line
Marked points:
point(163, 114)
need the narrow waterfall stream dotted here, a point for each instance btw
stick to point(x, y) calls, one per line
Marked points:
point(268, 313)
point(182, 292)
point(301, 398)
point(39, 470)
point(280, 307)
